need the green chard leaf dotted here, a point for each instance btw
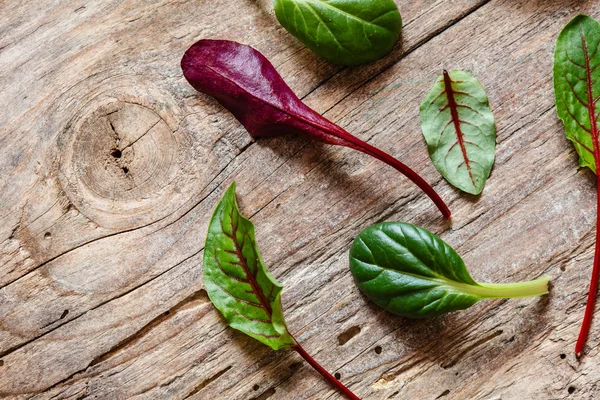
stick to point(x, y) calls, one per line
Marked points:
point(577, 85)
point(237, 281)
point(459, 129)
point(348, 32)
point(413, 273)
point(577, 91)
point(241, 287)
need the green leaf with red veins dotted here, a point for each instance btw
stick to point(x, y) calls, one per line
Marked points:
point(577, 85)
point(237, 281)
point(577, 90)
point(241, 287)
point(459, 129)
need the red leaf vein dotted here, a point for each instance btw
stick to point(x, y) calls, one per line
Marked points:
point(456, 120)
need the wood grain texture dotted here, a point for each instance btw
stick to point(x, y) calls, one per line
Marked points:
point(111, 165)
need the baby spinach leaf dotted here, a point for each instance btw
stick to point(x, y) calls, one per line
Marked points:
point(348, 32)
point(459, 129)
point(577, 91)
point(248, 85)
point(242, 289)
point(413, 273)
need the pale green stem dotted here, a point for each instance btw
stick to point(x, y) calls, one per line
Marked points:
point(537, 287)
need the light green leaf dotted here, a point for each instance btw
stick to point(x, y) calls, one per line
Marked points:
point(459, 129)
point(237, 281)
point(577, 85)
point(413, 273)
point(348, 32)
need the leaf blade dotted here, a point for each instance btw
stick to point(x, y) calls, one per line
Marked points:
point(403, 269)
point(247, 84)
point(413, 273)
point(236, 279)
point(347, 32)
point(459, 128)
point(577, 91)
point(577, 85)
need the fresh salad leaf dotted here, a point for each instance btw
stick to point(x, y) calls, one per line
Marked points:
point(248, 85)
point(459, 129)
point(242, 289)
point(413, 273)
point(577, 91)
point(348, 32)
point(237, 281)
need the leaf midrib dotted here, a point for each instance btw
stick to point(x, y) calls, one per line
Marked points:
point(453, 105)
point(591, 102)
point(266, 305)
point(350, 139)
point(449, 284)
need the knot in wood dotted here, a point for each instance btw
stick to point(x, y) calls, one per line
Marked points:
point(120, 166)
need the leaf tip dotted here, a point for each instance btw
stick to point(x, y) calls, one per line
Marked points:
point(230, 192)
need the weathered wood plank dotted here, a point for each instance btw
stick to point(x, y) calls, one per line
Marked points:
point(110, 304)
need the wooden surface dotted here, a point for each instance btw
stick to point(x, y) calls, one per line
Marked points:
point(101, 292)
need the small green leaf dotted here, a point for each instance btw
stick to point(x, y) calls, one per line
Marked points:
point(348, 32)
point(413, 273)
point(577, 85)
point(459, 129)
point(237, 281)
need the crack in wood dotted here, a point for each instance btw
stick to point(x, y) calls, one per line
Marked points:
point(21, 345)
point(471, 347)
point(265, 395)
point(208, 381)
point(199, 296)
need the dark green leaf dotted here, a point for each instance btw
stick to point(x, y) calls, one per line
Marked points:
point(459, 128)
point(236, 279)
point(577, 85)
point(413, 273)
point(348, 32)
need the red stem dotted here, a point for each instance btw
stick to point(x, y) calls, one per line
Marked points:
point(373, 151)
point(589, 308)
point(338, 385)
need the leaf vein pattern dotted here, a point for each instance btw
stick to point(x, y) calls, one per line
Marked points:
point(456, 119)
point(573, 116)
point(573, 62)
point(227, 274)
point(325, 26)
point(582, 102)
point(264, 321)
point(250, 278)
point(348, 15)
point(250, 303)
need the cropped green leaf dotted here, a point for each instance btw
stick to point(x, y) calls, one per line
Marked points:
point(237, 281)
point(459, 129)
point(577, 91)
point(413, 273)
point(577, 85)
point(348, 32)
